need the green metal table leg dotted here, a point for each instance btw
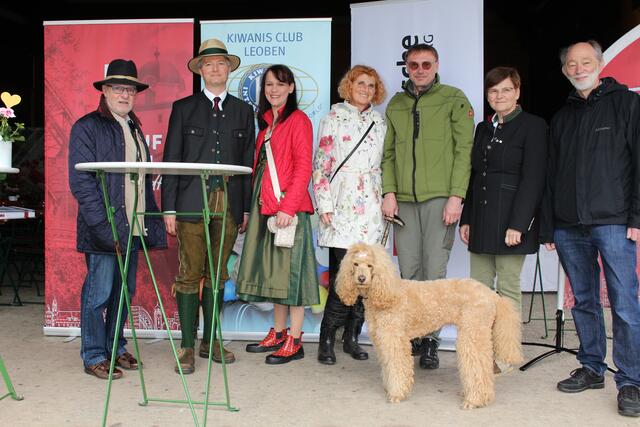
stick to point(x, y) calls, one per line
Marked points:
point(124, 269)
point(215, 284)
point(8, 383)
point(124, 294)
point(171, 341)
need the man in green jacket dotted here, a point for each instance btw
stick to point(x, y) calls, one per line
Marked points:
point(425, 172)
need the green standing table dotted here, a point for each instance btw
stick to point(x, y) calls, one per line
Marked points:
point(3, 369)
point(133, 170)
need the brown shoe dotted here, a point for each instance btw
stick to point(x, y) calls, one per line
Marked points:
point(127, 361)
point(101, 370)
point(229, 357)
point(187, 361)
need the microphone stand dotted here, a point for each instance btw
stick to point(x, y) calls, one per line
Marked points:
point(558, 346)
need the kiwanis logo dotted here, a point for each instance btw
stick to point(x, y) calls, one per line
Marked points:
point(246, 81)
point(249, 84)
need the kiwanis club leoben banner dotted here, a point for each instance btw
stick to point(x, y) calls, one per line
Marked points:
point(76, 55)
point(304, 45)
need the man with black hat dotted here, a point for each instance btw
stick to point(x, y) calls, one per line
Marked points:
point(211, 126)
point(110, 134)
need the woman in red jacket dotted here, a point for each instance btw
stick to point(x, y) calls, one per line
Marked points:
point(284, 276)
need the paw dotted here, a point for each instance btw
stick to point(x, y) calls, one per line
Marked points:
point(395, 398)
point(469, 405)
point(478, 403)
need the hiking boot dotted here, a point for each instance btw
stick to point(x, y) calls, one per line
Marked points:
point(629, 401)
point(217, 357)
point(187, 361)
point(581, 379)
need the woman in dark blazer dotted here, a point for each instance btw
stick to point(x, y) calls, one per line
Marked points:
point(499, 221)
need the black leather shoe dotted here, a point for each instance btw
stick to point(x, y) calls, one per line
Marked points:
point(629, 401)
point(429, 358)
point(353, 348)
point(581, 379)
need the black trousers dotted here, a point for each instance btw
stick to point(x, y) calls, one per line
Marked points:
point(336, 314)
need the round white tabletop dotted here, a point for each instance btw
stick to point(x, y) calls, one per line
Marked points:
point(164, 168)
point(9, 170)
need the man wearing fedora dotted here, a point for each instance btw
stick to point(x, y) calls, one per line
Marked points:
point(112, 133)
point(211, 126)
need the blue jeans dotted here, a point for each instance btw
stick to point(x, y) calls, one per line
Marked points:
point(100, 291)
point(578, 249)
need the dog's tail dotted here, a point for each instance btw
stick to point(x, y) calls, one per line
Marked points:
point(507, 332)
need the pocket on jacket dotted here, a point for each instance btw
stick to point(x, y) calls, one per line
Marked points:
point(509, 187)
point(101, 237)
point(192, 131)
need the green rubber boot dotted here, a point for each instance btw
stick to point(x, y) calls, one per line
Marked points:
point(207, 310)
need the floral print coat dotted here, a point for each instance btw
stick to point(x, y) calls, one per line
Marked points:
point(355, 195)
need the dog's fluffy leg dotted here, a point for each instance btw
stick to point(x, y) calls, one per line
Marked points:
point(507, 332)
point(394, 355)
point(475, 361)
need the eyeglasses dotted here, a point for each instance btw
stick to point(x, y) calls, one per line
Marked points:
point(426, 65)
point(503, 91)
point(119, 90)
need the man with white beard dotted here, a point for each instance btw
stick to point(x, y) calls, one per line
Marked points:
point(591, 207)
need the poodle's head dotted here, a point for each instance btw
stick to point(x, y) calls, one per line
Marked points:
point(367, 271)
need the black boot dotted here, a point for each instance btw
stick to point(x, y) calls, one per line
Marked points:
point(429, 358)
point(335, 312)
point(326, 355)
point(352, 330)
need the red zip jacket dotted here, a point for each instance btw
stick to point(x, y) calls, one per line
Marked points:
point(292, 146)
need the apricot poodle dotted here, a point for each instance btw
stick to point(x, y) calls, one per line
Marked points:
point(398, 310)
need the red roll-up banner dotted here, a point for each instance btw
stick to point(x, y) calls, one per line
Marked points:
point(76, 55)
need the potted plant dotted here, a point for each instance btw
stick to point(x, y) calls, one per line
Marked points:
point(9, 133)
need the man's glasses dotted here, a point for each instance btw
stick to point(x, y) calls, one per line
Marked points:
point(426, 65)
point(119, 90)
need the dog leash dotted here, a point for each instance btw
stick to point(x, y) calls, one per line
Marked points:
point(387, 225)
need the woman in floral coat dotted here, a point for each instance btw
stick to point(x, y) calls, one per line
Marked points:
point(347, 185)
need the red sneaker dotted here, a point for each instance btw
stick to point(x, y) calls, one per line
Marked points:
point(269, 343)
point(288, 352)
